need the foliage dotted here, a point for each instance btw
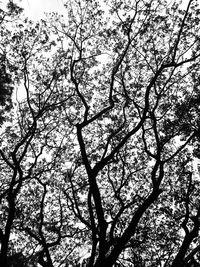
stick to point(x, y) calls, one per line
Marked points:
point(98, 152)
point(6, 87)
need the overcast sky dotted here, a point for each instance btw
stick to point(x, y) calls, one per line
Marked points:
point(35, 9)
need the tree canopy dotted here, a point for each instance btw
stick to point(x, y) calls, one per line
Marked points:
point(100, 135)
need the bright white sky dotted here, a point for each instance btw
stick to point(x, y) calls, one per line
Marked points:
point(35, 9)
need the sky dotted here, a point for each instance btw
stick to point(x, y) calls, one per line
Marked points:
point(35, 9)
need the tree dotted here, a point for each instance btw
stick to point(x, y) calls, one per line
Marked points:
point(21, 154)
point(11, 13)
point(98, 163)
